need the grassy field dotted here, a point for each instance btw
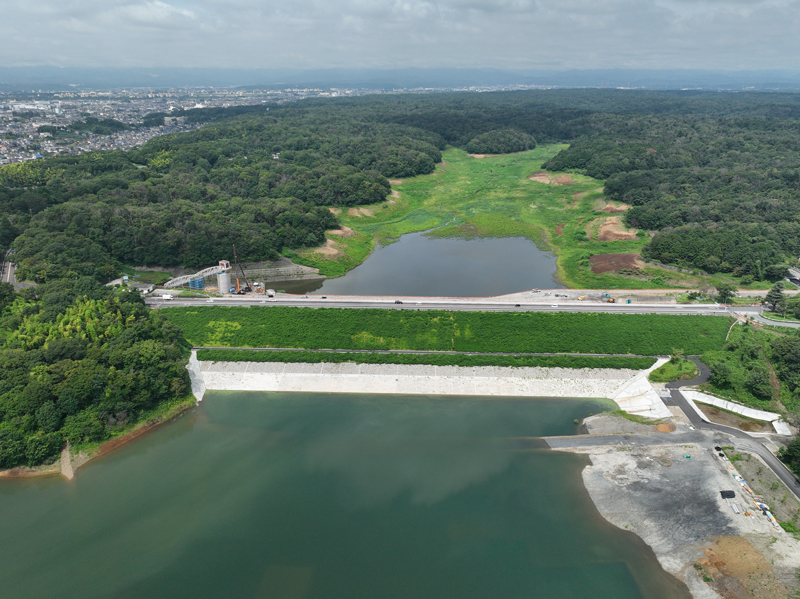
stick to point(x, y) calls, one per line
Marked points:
point(243, 355)
point(156, 277)
point(513, 332)
point(502, 196)
point(679, 370)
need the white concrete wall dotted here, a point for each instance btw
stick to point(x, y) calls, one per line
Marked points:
point(779, 425)
point(430, 380)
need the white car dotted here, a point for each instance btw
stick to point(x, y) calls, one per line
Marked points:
point(554, 305)
point(210, 300)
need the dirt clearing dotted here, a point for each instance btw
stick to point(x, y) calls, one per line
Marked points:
point(335, 210)
point(739, 571)
point(547, 178)
point(560, 229)
point(343, 232)
point(395, 182)
point(609, 229)
point(395, 193)
point(601, 263)
point(480, 155)
point(329, 249)
point(743, 424)
point(610, 207)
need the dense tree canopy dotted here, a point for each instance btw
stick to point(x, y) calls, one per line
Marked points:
point(77, 361)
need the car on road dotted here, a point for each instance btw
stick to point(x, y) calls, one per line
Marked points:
point(210, 300)
point(397, 302)
point(554, 305)
point(516, 305)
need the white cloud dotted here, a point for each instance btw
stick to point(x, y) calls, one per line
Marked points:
point(398, 33)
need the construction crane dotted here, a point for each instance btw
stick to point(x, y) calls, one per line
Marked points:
point(239, 289)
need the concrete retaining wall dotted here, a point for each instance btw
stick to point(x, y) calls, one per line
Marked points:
point(429, 380)
point(780, 427)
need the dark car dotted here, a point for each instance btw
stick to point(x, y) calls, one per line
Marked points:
point(397, 302)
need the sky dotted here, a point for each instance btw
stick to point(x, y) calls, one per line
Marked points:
point(306, 34)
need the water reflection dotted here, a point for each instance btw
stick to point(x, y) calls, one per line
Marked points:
point(430, 266)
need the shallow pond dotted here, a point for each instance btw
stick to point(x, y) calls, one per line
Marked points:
point(286, 496)
point(420, 265)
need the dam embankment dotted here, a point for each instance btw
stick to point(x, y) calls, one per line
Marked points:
point(628, 388)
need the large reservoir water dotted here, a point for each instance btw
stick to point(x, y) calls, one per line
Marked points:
point(286, 496)
point(420, 265)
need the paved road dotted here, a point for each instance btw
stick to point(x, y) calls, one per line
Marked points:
point(743, 440)
point(791, 325)
point(460, 304)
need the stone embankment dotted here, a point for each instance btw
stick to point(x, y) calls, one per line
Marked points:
point(629, 388)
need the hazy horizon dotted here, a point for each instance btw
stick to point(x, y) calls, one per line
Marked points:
point(62, 78)
point(715, 35)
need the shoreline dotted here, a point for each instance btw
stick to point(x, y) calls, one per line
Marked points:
point(68, 462)
point(641, 480)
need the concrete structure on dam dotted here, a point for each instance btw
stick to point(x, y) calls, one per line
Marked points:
point(630, 389)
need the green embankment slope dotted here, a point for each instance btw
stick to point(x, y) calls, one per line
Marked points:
point(531, 332)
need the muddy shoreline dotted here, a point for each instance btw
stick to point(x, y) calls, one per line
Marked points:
point(665, 488)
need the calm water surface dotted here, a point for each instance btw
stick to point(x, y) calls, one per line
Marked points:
point(433, 266)
point(286, 496)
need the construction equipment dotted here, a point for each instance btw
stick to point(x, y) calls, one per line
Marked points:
point(239, 289)
point(611, 300)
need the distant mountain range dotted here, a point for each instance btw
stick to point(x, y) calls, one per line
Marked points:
point(55, 78)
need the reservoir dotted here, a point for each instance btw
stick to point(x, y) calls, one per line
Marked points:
point(420, 265)
point(284, 496)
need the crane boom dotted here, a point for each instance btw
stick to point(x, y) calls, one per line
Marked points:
point(247, 287)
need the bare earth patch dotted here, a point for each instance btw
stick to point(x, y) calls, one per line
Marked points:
point(354, 212)
point(480, 155)
point(540, 177)
point(395, 193)
point(743, 424)
point(335, 210)
point(329, 249)
point(395, 182)
point(562, 180)
point(547, 178)
point(603, 205)
point(610, 229)
point(343, 232)
point(366, 212)
point(739, 571)
point(560, 229)
point(601, 263)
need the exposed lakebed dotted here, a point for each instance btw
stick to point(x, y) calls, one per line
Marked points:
point(420, 265)
point(334, 496)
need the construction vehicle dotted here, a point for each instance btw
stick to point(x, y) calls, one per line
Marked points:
point(239, 289)
point(610, 300)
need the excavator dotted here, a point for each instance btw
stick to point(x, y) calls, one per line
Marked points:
point(239, 289)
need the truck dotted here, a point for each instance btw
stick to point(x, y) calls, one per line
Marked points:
point(167, 296)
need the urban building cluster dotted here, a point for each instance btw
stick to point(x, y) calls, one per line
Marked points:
point(39, 123)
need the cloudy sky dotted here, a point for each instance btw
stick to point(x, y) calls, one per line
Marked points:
point(704, 34)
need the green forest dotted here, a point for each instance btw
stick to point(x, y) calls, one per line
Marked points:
point(717, 176)
point(81, 362)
